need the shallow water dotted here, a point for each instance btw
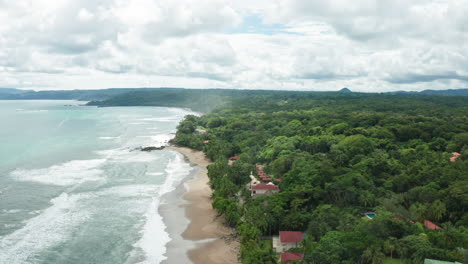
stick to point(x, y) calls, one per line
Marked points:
point(74, 190)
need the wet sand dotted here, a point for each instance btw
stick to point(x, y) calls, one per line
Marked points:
point(207, 238)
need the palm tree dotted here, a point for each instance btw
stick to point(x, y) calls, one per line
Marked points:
point(437, 209)
point(389, 246)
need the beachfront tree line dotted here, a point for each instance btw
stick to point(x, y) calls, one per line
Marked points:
point(337, 156)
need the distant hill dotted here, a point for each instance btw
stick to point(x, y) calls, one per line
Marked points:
point(12, 91)
point(345, 91)
point(449, 92)
point(81, 95)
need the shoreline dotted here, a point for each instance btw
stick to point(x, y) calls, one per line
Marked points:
point(206, 237)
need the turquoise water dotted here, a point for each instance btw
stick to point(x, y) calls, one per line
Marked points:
point(74, 190)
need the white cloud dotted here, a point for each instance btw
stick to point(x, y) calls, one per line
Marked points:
point(366, 45)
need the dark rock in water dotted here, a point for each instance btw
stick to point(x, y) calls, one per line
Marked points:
point(152, 148)
point(148, 149)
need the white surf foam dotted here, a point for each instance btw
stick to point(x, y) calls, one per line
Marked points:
point(132, 190)
point(69, 173)
point(108, 138)
point(161, 119)
point(12, 211)
point(161, 139)
point(154, 236)
point(126, 155)
point(154, 173)
point(46, 230)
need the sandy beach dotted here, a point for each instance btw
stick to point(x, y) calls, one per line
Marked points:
point(213, 239)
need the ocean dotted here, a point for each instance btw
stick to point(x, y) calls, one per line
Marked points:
point(74, 188)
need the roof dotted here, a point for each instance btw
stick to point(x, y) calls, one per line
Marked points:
point(265, 186)
point(279, 180)
point(428, 224)
point(291, 256)
point(455, 156)
point(290, 237)
point(433, 261)
point(234, 158)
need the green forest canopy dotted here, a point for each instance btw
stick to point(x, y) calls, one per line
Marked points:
point(339, 155)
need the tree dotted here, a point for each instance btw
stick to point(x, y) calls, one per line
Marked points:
point(373, 255)
point(389, 246)
point(437, 210)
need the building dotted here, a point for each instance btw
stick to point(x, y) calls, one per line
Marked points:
point(429, 225)
point(263, 189)
point(232, 160)
point(291, 256)
point(201, 131)
point(287, 240)
point(262, 175)
point(455, 156)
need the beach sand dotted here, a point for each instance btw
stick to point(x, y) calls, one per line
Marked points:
point(214, 241)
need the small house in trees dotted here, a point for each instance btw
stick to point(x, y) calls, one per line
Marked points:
point(429, 225)
point(262, 174)
point(232, 160)
point(455, 156)
point(287, 240)
point(263, 189)
point(291, 256)
point(201, 131)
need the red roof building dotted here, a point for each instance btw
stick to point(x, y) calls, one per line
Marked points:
point(265, 186)
point(291, 256)
point(429, 225)
point(290, 237)
point(455, 156)
point(263, 189)
point(234, 158)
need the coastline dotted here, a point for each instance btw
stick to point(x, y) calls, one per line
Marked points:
point(207, 239)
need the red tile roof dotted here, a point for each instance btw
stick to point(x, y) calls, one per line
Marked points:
point(265, 186)
point(290, 237)
point(428, 224)
point(234, 158)
point(279, 180)
point(291, 256)
point(455, 156)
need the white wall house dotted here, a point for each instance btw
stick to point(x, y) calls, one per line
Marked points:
point(287, 240)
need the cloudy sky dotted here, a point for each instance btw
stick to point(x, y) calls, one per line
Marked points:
point(366, 45)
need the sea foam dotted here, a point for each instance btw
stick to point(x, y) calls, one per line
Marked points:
point(154, 236)
point(47, 229)
point(68, 173)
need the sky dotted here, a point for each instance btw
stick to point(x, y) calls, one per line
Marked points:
point(316, 45)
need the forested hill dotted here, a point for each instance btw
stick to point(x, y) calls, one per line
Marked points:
point(449, 92)
point(338, 156)
point(81, 95)
point(205, 100)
